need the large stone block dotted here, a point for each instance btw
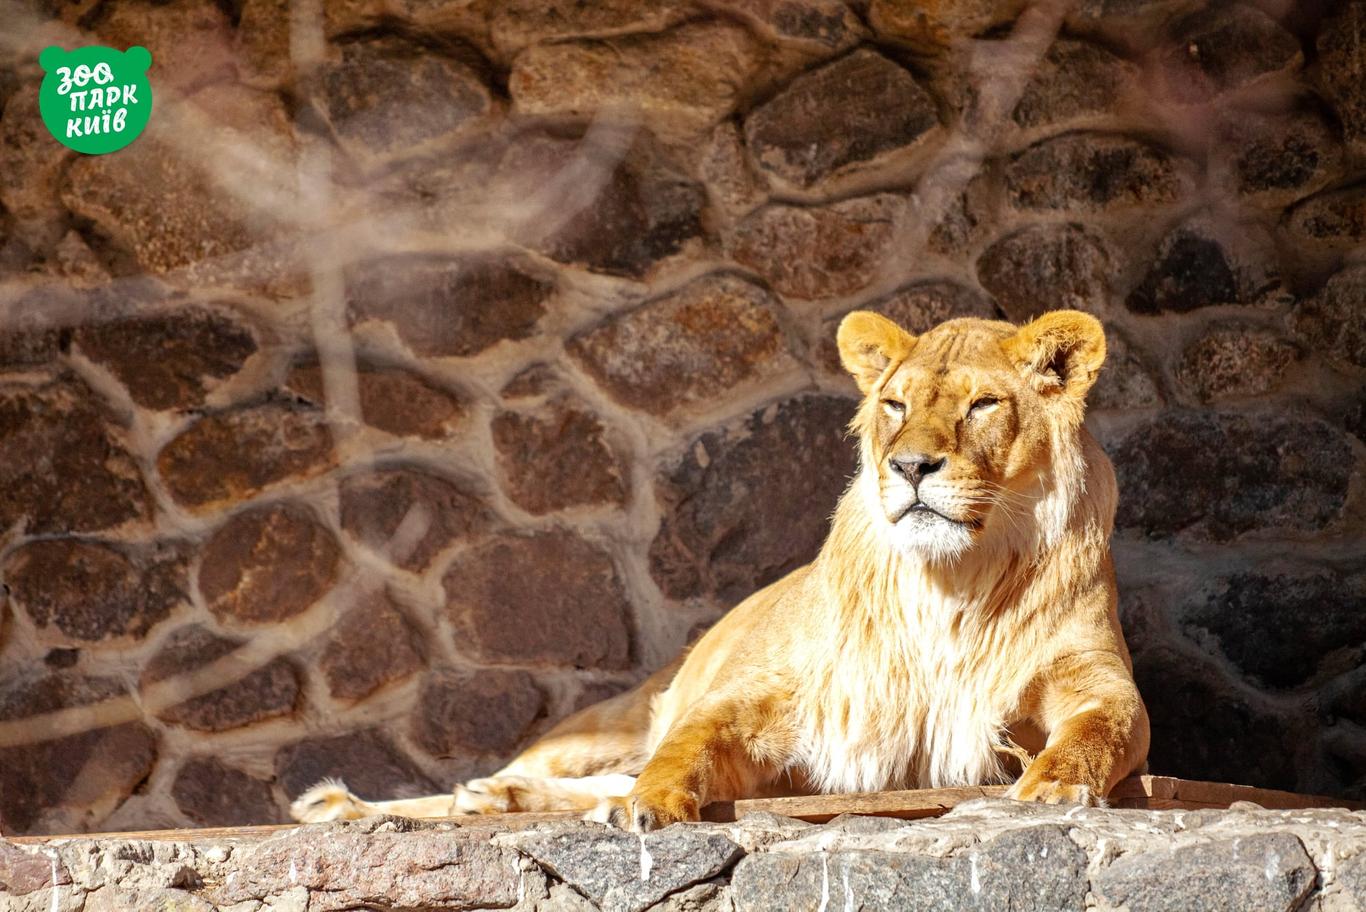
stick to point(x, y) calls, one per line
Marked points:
point(251, 693)
point(158, 199)
point(1275, 159)
point(1233, 361)
point(839, 117)
point(547, 597)
point(556, 457)
point(1201, 263)
point(1126, 381)
point(1341, 40)
point(168, 360)
point(1073, 84)
point(517, 24)
point(1093, 172)
point(1333, 220)
point(390, 399)
point(212, 793)
point(234, 455)
point(1278, 624)
point(1217, 475)
point(408, 515)
point(70, 782)
point(1267, 872)
point(386, 97)
point(1035, 869)
point(89, 593)
point(934, 28)
point(369, 646)
point(443, 306)
point(483, 712)
point(678, 83)
point(620, 872)
point(608, 205)
point(62, 469)
point(191, 42)
point(1224, 48)
point(812, 27)
point(715, 337)
point(820, 251)
point(734, 520)
point(267, 564)
point(1333, 322)
point(1047, 267)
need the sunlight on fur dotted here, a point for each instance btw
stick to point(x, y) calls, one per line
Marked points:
point(958, 627)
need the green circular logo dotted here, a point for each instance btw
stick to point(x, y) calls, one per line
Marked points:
point(95, 99)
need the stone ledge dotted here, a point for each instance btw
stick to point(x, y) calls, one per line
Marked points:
point(984, 854)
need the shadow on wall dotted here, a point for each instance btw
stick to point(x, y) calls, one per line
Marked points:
point(417, 377)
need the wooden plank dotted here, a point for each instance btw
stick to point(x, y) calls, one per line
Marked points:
point(1136, 792)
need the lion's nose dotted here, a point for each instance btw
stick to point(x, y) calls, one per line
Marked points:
point(915, 466)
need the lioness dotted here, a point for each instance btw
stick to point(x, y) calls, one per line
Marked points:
point(958, 627)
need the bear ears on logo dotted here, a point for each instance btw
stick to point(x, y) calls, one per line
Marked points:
point(138, 58)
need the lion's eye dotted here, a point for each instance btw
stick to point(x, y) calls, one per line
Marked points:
point(896, 408)
point(979, 405)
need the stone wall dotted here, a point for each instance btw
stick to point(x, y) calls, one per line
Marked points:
point(985, 855)
point(431, 369)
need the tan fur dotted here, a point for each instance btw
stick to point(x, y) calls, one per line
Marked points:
point(960, 614)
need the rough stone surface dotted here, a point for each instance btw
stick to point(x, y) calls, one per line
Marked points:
point(1339, 47)
point(1333, 322)
point(168, 361)
point(1232, 361)
point(515, 24)
point(1193, 268)
point(817, 27)
point(266, 565)
point(487, 711)
point(1269, 871)
point(390, 399)
point(679, 82)
point(1218, 475)
point(1287, 623)
point(161, 205)
point(1032, 870)
point(1092, 172)
point(1334, 219)
point(614, 211)
point(1125, 382)
point(557, 457)
point(1276, 159)
point(369, 646)
point(838, 117)
point(688, 349)
point(61, 467)
point(211, 793)
point(251, 694)
point(431, 513)
point(610, 867)
point(1047, 267)
point(385, 96)
point(447, 306)
point(819, 252)
point(56, 784)
point(366, 760)
point(710, 542)
point(545, 597)
point(83, 592)
point(934, 29)
point(1224, 48)
point(232, 455)
point(1075, 82)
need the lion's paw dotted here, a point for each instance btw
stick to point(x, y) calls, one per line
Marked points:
point(1052, 791)
point(328, 800)
point(646, 811)
point(491, 795)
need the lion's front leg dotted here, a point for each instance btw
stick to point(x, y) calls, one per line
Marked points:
point(1097, 732)
point(721, 752)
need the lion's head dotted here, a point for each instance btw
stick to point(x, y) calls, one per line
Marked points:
point(970, 432)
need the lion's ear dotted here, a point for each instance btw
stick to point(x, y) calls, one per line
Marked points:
point(1061, 352)
point(868, 342)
